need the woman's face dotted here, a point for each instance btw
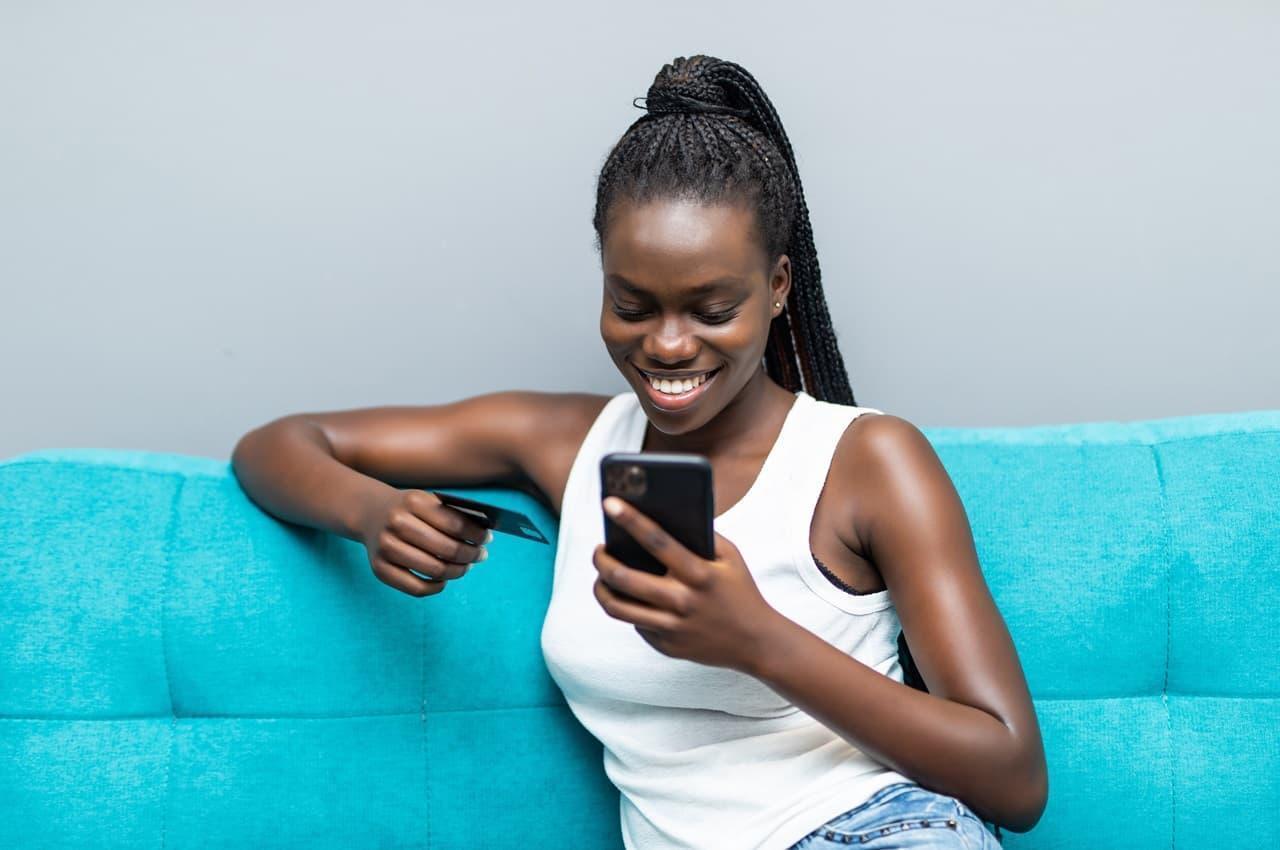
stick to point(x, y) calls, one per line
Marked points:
point(688, 299)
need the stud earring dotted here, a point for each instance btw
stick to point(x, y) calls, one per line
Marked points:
point(777, 303)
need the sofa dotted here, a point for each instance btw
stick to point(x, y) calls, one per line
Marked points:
point(180, 669)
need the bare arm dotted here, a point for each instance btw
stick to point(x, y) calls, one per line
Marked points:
point(311, 467)
point(321, 469)
point(974, 735)
point(343, 471)
point(288, 469)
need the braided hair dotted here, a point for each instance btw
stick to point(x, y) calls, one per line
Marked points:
point(710, 134)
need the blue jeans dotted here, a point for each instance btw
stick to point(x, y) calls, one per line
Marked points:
point(903, 815)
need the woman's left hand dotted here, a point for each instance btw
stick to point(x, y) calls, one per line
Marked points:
point(705, 611)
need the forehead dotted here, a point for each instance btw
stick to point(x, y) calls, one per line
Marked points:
point(676, 241)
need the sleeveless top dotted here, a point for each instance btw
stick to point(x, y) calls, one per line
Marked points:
point(704, 756)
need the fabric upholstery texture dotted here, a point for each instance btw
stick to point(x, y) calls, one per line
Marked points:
point(180, 669)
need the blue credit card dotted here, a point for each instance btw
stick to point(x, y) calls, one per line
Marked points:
point(493, 517)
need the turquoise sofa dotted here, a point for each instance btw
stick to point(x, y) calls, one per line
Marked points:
point(179, 669)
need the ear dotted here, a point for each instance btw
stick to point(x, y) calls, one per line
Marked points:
point(779, 284)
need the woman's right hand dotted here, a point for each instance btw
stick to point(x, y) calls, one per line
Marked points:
point(411, 531)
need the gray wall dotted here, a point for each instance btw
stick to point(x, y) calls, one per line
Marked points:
point(215, 214)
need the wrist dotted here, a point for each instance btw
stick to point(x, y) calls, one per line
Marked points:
point(771, 646)
point(363, 507)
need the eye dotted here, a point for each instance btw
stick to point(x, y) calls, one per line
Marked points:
point(631, 314)
point(716, 318)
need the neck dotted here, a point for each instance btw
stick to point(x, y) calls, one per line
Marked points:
point(751, 419)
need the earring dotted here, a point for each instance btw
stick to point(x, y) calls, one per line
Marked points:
point(777, 303)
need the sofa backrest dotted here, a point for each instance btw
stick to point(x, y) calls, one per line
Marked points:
point(178, 668)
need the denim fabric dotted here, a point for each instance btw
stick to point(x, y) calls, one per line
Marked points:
point(904, 815)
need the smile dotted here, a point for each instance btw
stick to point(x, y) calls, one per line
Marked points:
point(676, 393)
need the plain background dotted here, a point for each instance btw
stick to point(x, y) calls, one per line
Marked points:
point(212, 215)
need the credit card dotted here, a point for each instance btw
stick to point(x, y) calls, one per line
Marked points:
point(504, 520)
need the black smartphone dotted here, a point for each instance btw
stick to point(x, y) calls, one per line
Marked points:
point(672, 489)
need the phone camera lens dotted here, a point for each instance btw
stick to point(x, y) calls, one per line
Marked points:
point(634, 480)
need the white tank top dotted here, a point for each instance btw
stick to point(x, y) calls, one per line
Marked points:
point(707, 757)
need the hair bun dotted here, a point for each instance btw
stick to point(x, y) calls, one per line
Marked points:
point(689, 85)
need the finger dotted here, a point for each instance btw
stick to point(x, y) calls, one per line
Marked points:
point(632, 612)
point(439, 542)
point(658, 591)
point(457, 524)
point(400, 553)
point(704, 574)
point(446, 547)
point(658, 640)
point(654, 538)
point(405, 581)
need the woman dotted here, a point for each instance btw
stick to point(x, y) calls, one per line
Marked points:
point(758, 699)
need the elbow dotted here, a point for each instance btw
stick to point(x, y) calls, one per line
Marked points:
point(1017, 784)
point(243, 449)
point(1030, 806)
point(1027, 795)
point(245, 444)
point(249, 436)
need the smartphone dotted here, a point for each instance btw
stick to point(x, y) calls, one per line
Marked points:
point(672, 489)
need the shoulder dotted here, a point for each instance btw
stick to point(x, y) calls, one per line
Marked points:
point(888, 473)
point(882, 442)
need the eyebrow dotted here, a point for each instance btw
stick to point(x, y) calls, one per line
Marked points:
point(709, 286)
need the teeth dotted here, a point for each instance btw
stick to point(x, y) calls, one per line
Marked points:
point(677, 387)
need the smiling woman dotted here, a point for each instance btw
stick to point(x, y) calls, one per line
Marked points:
point(775, 706)
point(695, 145)
point(762, 699)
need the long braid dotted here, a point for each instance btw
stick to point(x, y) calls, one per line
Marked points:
point(782, 353)
point(818, 330)
point(710, 132)
point(814, 336)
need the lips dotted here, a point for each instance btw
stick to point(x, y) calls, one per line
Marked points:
point(671, 401)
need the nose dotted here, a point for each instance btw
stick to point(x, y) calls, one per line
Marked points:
point(672, 344)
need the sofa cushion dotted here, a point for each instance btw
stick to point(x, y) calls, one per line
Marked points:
point(178, 668)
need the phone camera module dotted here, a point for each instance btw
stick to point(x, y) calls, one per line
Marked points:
point(627, 482)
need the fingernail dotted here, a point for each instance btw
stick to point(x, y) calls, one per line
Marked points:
point(488, 536)
point(613, 506)
point(484, 553)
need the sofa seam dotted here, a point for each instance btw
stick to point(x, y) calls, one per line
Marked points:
point(169, 540)
point(1171, 560)
point(361, 715)
point(117, 467)
point(141, 718)
point(422, 711)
